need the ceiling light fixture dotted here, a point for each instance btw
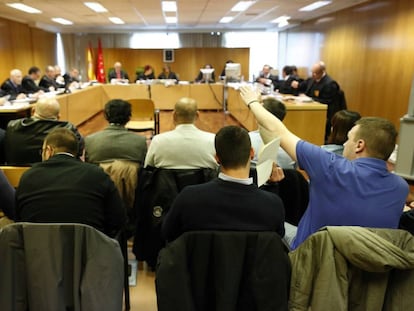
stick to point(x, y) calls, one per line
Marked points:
point(169, 6)
point(242, 6)
point(226, 19)
point(116, 20)
point(95, 6)
point(62, 21)
point(314, 6)
point(24, 8)
point(171, 19)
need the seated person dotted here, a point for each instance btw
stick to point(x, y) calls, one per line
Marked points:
point(223, 72)
point(72, 79)
point(58, 77)
point(229, 202)
point(117, 74)
point(267, 79)
point(148, 73)
point(184, 147)
point(29, 84)
point(342, 122)
point(7, 198)
point(13, 85)
point(201, 78)
point(115, 141)
point(48, 82)
point(167, 73)
point(278, 109)
point(63, 189)
point(353, 190)
point(24, 137)
point(285, 85)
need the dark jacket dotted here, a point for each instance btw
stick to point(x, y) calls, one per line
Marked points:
point(223, 270)
point(156, 190)
point(30, 87)
point(11, 89)
point(24, 139)
point(59, 267)
point(46, 83)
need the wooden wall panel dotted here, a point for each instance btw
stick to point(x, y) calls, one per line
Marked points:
point(187, 61)
point(369, 50)
point(22, 47)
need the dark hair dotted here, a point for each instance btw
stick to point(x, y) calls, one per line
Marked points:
point(33, 69)
point(117, 111)
point(379, 135)
point(342, 122)
point(275, 107)
point(288, 70)
point(63, 139)
point(232, 146)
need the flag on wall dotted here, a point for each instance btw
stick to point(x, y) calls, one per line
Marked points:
point(91, 72)
point(100, 68)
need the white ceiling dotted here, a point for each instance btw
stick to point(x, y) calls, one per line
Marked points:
point(146, 15)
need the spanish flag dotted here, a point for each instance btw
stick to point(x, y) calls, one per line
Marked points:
point(91, 71)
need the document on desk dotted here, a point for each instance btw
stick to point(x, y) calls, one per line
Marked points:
point(265, 158)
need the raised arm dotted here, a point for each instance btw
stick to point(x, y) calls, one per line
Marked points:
point(268, 123)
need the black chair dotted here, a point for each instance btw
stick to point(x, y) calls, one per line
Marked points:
point(157, 189)
point(223, 270)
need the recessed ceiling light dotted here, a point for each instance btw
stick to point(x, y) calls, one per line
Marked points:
point(169, 6)
point(24, 8)
point(314, 6)
point(226, 19)
point(116, 20)
point(62, 21)
point(171, 19)
point(95, 6)
point(280, 19)
point(242, 6)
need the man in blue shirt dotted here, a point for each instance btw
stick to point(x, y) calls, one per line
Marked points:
point(355, 189)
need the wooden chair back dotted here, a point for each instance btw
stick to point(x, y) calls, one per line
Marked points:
point(14, 173)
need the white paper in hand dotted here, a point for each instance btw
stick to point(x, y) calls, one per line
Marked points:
point(265, 158)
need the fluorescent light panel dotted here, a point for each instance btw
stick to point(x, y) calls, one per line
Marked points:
point(95, 6)
point(280, 19)
point(24, 8)
point(171, 19)
point(169, 6)
point(116, 20)
point(62, 21)
point(242, 6)
point(314, 6)
point(226, 19)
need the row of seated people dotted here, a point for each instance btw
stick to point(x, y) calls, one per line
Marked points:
point(33, 85)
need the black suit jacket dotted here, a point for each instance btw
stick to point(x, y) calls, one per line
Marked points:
point(46, 82)
point(112, 75)
point(11, 89)
point(323, 91)
point(30, 87)
point(64, 189)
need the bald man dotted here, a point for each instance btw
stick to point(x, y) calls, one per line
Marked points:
point(24, 137)
point(13, 85)
point(48, 81)
point(186, 146)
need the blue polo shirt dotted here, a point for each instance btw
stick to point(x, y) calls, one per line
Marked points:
point(348, 193)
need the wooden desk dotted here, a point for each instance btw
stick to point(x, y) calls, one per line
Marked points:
point(14, 112)
point(165, 97)
point(208, 96)
point(306, 120)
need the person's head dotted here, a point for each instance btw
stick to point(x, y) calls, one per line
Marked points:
point(294, 69)
point(50, 72)
point(371, 137)
point(34, 72)
point(208, 66)
point(275, 107)
point(318, 70)
point(16, 76)
point(74, 73)
point(185, 111)
point(266, 69)
point(342, 122)
point(287, 71)
point(117, 111)
point(166, 68)
point(59, 140)
point(47, 109)
point(58, 71)
point(233, 147)
point(117, 66)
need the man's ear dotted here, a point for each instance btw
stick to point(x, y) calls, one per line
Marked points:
point(251, 153)
point(360, 146)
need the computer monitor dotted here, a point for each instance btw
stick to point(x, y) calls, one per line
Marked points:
point(233, 72)
point(207, 74)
